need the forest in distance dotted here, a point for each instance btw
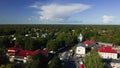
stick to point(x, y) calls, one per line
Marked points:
point(103, 33)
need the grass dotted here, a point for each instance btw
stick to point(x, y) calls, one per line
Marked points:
point(74, 48)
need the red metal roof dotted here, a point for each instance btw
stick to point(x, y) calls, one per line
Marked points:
point(25, 53)
point(107, 49)
point(14, 48)
point(89, 42)
point(43, 51)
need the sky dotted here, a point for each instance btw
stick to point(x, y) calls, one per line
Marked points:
point(60, 12)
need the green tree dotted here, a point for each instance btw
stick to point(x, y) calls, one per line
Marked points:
point(20, 42)
point(28, 43)
point(51, 45)
point(93, 60)
point(60, 39)
point(5, 42)
point(6, 66)
point(3, 58)
point(42, 42)
point(37, 61)
point(55, 63)
point(67, 38)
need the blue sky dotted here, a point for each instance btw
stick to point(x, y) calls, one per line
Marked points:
point(59, 12)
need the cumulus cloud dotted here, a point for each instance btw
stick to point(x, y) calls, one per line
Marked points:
point(57, 12)
point(107, 19)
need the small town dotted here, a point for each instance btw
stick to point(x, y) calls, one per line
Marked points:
point(34, 48)
point(59, 33)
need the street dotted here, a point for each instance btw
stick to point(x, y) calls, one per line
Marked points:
point(69, 60)
point(69, 64)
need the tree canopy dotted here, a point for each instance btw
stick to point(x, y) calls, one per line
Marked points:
point(55, 63)
point(93, 60)
point(37, 61)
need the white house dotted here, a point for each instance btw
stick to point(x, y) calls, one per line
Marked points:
point(80, 50)
point(106, 52)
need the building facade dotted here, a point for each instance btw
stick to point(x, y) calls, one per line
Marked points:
point(17, 54)
point(106, 52)
point(80, 50)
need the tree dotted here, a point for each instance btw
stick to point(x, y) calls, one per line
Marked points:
point(60, 39)
point(28, 43)
point(93, 60)
point(67, 38)
point(5, 42)
point(51, 45)
point(20, 41)
point(20, 31)
point(3, 58)
point(31, 44)
point(42, 42)
point(55, 63)
point(37, 61)
point(6, 66)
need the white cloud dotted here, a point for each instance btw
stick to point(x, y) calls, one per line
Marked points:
point(55, 12)
point(107, 19)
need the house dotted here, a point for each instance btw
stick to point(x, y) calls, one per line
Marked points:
point(106, 52)
point(17, 54)
point(80, 50)
point(89, 43)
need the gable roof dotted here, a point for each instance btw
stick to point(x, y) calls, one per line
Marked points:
point(24, 53)
point(14, 48)
point(107, 49)
point(89, 42)
point(43, 51)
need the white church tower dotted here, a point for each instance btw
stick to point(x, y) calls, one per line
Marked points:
point(80, 37)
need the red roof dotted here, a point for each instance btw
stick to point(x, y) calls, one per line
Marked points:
point(24, 53)
point(43, 51)
point(14, 48)
point(107, 49)
point(89, 42)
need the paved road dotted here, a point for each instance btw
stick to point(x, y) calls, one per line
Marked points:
point(68, 61)
point(69, 64)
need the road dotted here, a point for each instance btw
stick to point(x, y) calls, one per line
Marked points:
point(69, 61)
point(69, 64)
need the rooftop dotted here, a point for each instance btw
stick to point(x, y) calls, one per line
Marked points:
point(89, 42)
point(107, 49)
point(24, 53)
